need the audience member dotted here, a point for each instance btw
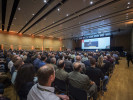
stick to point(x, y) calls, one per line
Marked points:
point(78, 80)
point(53, 62)
point(60, 73)
point(17, 65)
point(43, 90)
point(43, 61)
point(24, 80)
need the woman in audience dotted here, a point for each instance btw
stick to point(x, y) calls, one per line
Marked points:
point(24, 80)
point(101, 65)
point(17, 65)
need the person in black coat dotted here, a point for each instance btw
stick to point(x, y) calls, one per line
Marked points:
point(129, 58)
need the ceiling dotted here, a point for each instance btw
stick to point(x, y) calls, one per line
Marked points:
point(66, 18)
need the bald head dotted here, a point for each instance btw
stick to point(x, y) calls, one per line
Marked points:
point(61, 64)
point(77, 66)
point(105, 57)
point(78, 58)
point(53, 60)
point(44, 74)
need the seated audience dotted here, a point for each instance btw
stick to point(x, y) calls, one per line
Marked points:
point(36, 61)
point(84, 58)
point(43, 61)
point(60, 73)
point(43, 90)
point(17, 65)
point(78, 80)
point(24, 80)
point(87, 62)
point(53, 62)
point(68, 64)
point(78, 59)
point(95, 74)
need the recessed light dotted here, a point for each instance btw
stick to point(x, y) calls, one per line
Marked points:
point(19, 8)
point(53, 22)
point(128, 3)
point(45, 1)
point(33, 14)
point(44, 18)
point(91, 2)
point(100, 16)
point(127, 6)
point(67, 14)
point(58, 9)
point(14, 18)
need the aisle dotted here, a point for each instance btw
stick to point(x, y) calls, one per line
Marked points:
point(120, 86)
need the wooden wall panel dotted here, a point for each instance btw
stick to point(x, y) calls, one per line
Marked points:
point(25, 42)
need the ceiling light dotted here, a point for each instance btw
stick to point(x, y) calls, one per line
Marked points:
point(53, 22)
point(14, 18)
point(100, 16)
point(45, 1)
point(33, 14)
point(91, 2)
point(58, 9)
point(44, 18)
point(19, 8)
point(128, 3)
point(67, 14)
point(127, 6)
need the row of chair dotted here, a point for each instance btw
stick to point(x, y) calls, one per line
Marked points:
point(74, 93)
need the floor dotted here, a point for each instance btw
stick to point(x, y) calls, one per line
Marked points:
point(120, 86)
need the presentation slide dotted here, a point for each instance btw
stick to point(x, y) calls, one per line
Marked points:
point(96, 43)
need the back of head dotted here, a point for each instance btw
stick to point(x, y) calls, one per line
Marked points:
point(43, 58)
point(61, 64)
point(18, 63)
point(66, 57)
point(53, 60)
point(77, 66)
point(60, 57)
point(25, 74)
point(78, 58)
point(92, 61)
point(85, 55)
point(14, 59)
point(44, 73)
point(100, 61)
point(105, 57)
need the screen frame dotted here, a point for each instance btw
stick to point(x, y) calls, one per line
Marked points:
point(96, 38)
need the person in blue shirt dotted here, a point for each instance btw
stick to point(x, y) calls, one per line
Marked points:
point(36, 62)
point(43, 61)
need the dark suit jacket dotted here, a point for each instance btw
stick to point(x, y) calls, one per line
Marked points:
point(68, 66)
point(95, 74)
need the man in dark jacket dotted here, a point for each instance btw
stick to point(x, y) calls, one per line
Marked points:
point(95, 74)
point(129, 58)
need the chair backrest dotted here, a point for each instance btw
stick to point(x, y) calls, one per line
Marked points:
point(60, 84)
point(77, 94)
